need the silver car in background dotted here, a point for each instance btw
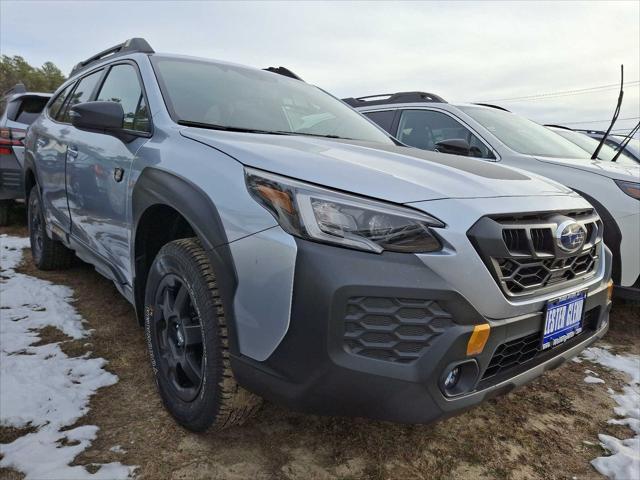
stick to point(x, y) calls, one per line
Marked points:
point(491, 134)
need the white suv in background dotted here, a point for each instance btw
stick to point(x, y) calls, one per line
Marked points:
point(491, 133)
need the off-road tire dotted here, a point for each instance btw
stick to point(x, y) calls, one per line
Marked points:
point(220, 402)
point(48, 254)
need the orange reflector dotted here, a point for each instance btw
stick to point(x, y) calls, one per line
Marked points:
point(478, 339)
point(610, 290)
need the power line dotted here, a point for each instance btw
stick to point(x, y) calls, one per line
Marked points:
point(564, 93)
point(608, 120)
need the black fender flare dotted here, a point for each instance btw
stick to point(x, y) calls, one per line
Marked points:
point(160, 187)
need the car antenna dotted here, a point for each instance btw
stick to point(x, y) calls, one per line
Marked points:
point(615, 116)
point(625, 141)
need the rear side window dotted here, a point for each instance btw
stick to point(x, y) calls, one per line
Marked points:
point(81, 94)
point(122, 86)
point(384, 119)
point(30, 108)
point(54, 107)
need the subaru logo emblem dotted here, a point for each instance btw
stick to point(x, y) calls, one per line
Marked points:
point(570, 236)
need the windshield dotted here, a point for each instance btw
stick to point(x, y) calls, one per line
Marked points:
point(589, 145)
point(523, 135)
point(235, 97)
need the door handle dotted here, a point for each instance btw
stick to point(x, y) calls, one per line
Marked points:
point(41, 142)
point(72, 153)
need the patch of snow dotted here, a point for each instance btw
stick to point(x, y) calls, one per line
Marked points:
point(624, 461)
point(40, 386)
point(629, 364)
point(117, 449)
point(591, 379)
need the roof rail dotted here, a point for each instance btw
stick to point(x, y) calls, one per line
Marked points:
point(17, 88)
point(399, 97)
point(283, 71)
point(490, 105)
point(130, 46)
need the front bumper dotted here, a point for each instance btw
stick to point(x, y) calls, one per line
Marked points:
point(337, 357)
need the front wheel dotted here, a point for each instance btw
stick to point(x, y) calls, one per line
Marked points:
point(187, 337)
point(48, 254)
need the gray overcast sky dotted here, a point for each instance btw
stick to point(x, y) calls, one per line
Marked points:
point(463, 51)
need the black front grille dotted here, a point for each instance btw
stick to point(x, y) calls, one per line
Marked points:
point(523, 255)
point(519, 274)
point(392, 329)
point(515, 353)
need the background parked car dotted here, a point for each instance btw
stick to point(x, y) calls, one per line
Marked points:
point(491, 133)
point(589, 145)
point(632, 149)
point(18, 109)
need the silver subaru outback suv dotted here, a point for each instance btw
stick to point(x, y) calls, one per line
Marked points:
point(278, 245)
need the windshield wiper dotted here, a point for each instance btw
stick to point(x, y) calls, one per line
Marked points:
point(304, 134)
point(625, 141)
point(615, 116)
point(227, 128)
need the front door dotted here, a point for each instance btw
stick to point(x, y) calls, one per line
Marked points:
point(98, 170)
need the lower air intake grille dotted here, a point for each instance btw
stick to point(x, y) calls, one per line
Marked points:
point(510, 355)
point(392, 329)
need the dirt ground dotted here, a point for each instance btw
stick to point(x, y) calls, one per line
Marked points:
point(547, 429)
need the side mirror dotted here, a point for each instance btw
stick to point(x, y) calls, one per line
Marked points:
point(454, 146)
point(107, 117)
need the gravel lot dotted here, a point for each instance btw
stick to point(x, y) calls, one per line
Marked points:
point(548, 429)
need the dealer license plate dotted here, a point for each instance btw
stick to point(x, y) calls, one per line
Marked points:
point(563, 319)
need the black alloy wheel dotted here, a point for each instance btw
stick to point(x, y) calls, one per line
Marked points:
point(179, 337)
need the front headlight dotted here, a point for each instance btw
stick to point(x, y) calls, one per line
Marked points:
point(630, 188)
point(327, 216)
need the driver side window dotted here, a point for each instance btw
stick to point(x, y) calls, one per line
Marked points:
point(425, 128)
point(122, 86)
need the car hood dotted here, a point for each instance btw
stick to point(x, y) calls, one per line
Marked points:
point(607, 169)
point(393, 173)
